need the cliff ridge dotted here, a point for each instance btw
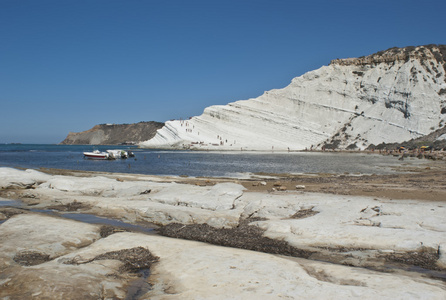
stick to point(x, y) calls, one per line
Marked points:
point(391, 96)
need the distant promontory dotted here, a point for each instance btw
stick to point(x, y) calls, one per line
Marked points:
point(114, 134)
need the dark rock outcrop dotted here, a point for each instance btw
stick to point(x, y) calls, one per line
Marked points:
point(114, 134)
point(428, 52)
point(431, 140)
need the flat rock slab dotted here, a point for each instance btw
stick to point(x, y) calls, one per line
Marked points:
point(42, 234)
point(185, 269)
point(13, 178)
point(315, 221)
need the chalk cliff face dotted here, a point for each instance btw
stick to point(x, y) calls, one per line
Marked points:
point(113, 134)
point(391, 96)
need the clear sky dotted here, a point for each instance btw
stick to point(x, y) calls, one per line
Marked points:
point(67, 65)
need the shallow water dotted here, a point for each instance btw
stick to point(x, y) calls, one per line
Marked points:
point(432, 273)
point(92, 219)
point(9, 203)
point(86, 218)
point(13, 203)
point(139, 287)
point(198, 163)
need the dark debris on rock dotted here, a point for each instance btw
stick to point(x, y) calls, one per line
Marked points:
point(244, 237)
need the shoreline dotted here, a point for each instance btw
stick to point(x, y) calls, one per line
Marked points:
point(425, 181)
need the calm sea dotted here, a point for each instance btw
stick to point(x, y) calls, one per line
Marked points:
point(191, 163)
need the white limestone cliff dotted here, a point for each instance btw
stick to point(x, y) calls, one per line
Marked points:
point(390, 96)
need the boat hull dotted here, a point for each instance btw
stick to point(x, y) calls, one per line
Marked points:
point(95, 155)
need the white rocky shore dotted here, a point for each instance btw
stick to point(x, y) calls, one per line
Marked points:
point(73, 260)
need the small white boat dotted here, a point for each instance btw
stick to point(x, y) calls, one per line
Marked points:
point(96, 154)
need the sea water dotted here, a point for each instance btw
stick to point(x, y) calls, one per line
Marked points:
point(196, 163)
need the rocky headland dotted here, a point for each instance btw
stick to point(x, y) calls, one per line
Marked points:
point(114, 134)
point(293, 236)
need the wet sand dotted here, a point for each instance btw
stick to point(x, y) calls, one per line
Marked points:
point(423, 184)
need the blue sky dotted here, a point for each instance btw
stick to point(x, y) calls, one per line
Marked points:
point(67, 65)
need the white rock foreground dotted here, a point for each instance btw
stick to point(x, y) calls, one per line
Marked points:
point(360, 228)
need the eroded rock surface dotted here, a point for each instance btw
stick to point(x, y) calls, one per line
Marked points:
point(58, 258)
point(183, 270)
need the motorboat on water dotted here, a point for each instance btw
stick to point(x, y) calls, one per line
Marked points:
point(96, 154)
point(108, 154)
